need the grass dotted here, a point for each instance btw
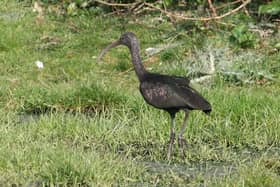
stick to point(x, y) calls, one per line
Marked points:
point(77, 121)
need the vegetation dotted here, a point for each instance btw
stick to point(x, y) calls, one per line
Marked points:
point(79, 121)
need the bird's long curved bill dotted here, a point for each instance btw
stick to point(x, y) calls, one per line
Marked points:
point(112, 45)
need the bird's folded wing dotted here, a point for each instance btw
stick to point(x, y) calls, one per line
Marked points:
point(172, 95)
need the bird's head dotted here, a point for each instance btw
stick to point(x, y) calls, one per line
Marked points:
point(128, 39)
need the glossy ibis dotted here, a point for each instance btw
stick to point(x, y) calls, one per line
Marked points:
point(169, 93)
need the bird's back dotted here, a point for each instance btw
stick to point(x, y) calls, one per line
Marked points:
point(172, 92)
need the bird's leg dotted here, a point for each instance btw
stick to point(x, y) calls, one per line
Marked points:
point(172, 137)
point(181, 140)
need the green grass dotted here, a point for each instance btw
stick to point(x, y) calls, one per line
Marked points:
point(77, 121)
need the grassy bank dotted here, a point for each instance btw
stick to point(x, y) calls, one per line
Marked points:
point(77, 121)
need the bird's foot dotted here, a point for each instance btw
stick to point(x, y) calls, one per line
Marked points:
point(171, 142)
point(182, 143)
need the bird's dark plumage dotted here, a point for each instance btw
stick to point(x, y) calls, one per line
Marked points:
point(170, 93)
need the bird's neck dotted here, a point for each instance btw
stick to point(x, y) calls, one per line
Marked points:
point(137, 62)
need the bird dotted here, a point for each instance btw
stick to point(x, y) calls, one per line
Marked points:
point(166, 92)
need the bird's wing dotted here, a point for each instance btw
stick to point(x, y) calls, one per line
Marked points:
point(159, 95)
point(192, 98)
point(169, 93)
point(181, 81)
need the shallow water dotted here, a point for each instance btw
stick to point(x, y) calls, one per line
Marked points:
point(212, 169)
point(26, 118)
point(206, 169)
point(10, 16)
